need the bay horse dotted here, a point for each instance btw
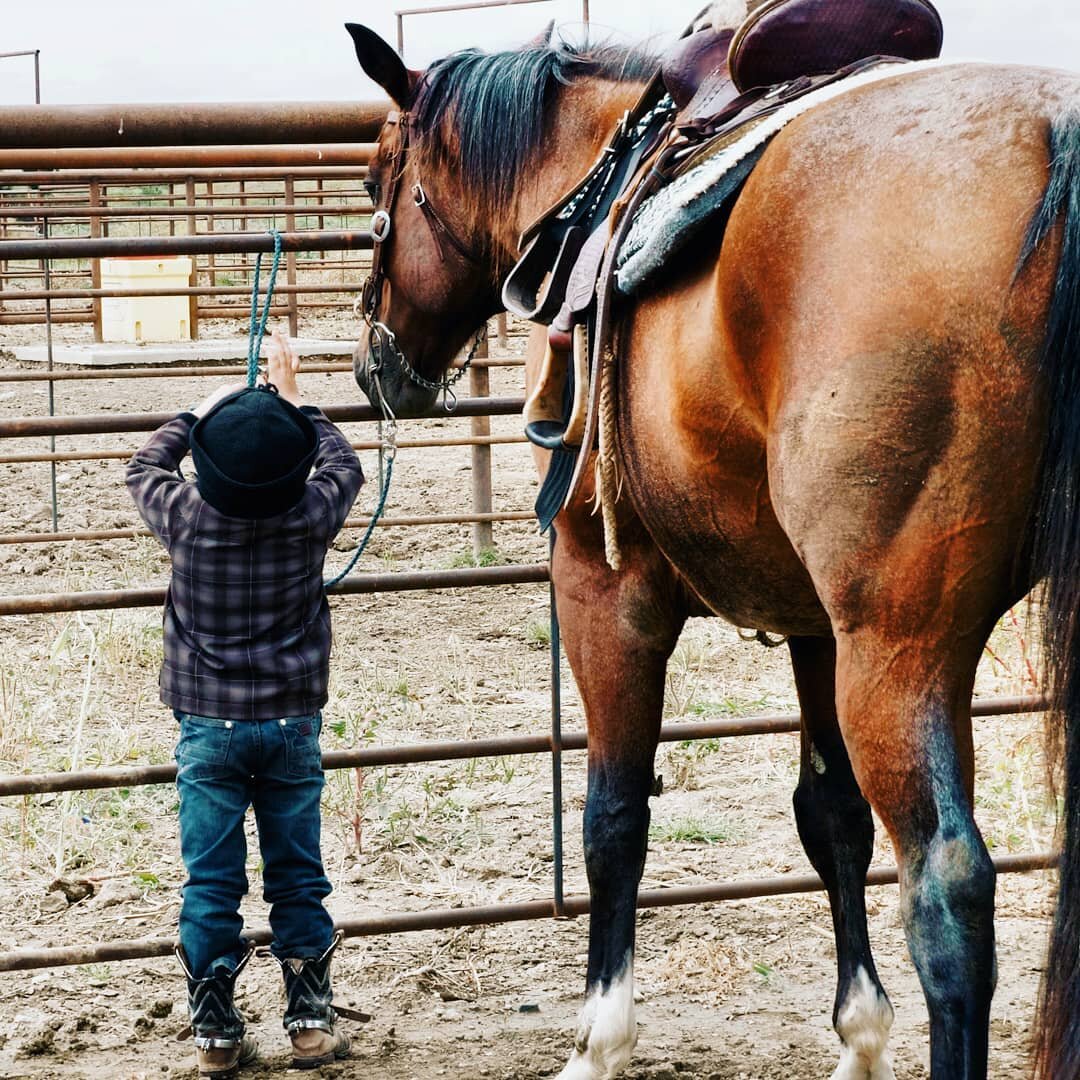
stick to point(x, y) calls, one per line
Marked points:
point(853, 420)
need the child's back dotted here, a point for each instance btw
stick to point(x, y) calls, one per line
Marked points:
point(247, 647)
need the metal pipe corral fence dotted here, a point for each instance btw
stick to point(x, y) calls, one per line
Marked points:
point(449, 918)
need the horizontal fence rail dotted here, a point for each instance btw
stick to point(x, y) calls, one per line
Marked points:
point(177, 290)
point(119, 423)
point(184, 124)
point(398, 581)
point(202, 244)
point(449, 918)
point(166, 372)
point(185, 210)
point(179, 157)
point(402, 444)
point(386, 522)
point(466, 749)
point(55, 178)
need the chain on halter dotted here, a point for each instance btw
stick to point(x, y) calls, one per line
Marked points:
point(386, 345)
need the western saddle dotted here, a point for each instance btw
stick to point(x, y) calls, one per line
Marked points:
point(714, 82)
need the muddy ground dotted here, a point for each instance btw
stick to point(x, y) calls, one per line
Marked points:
point(734, 990)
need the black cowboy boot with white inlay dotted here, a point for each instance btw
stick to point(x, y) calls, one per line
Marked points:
point(309, 1018)
point(221, 1047)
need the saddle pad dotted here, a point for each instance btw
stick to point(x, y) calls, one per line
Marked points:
point(668, 221)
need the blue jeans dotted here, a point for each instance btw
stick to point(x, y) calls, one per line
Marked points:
point(223, 767)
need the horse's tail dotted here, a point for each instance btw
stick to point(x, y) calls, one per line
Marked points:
point(1057, 554)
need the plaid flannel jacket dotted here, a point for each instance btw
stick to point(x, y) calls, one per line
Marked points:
point(247, 625)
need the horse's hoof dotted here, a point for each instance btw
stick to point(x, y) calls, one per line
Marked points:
point(851, 1067)
point(579, 1068)
point(606, 1034)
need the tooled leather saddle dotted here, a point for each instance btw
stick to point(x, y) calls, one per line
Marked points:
point(713, 84)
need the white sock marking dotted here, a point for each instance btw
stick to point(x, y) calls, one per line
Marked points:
point(863, 1024)
point(607, 1032)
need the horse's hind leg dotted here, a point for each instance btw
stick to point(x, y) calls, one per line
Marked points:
point(837, 831)
point(905, 713)
point(619, 631)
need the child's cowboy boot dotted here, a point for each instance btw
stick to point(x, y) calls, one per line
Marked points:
point(309, 1019)
point(221, 1047)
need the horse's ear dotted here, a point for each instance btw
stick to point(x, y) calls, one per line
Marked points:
point(383, 65)
point(543, 39)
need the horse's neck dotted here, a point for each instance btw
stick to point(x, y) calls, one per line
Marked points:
point(580, 124)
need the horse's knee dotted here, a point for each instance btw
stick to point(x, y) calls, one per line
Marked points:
point(949, 914)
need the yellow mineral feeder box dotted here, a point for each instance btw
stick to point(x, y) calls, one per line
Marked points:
point(145, 318)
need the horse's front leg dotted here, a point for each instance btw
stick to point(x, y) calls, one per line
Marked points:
point(837, 832)
point(619, 630)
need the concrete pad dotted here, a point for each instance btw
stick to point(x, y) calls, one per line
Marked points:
point(121, 354)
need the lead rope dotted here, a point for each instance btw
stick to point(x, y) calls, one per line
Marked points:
point(387, 453)
point(387, 426)
point(387, 450)
point(258, 322)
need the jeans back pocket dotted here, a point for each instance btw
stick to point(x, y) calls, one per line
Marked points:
point(303, 756)
point(203, 748)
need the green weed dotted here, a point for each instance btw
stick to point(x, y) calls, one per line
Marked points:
point(690, 831)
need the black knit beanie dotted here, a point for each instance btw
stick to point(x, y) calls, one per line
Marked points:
point(253, 452)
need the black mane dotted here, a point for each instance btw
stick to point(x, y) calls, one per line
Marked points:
point(496, 102)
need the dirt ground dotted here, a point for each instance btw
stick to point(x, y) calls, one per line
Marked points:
point(727, 991)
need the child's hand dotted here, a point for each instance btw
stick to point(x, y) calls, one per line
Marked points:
point(282, 364)
point(212, 399)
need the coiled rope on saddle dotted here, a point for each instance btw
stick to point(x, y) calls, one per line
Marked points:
point(387, 426)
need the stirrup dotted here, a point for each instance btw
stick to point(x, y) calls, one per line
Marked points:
point(544, 423)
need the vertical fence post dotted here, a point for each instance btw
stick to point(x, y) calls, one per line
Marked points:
point(46, 268)
point(211, 220)
point(193, 279)
point(5, 266)
point(290, 258)
point(500, 330)
point(480, 386)
point(95, 264)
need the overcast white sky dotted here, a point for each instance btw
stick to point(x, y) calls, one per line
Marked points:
point(216, 50)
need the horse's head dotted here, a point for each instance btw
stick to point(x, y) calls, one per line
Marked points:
point(473, 150)
point(431, 284)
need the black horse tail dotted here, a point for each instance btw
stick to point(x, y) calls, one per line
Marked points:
point(1057, 555)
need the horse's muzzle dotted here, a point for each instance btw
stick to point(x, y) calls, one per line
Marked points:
point(404, 398)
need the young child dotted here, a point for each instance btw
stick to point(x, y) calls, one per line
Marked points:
point(247, 647)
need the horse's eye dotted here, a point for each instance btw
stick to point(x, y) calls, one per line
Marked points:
point(373, 190)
